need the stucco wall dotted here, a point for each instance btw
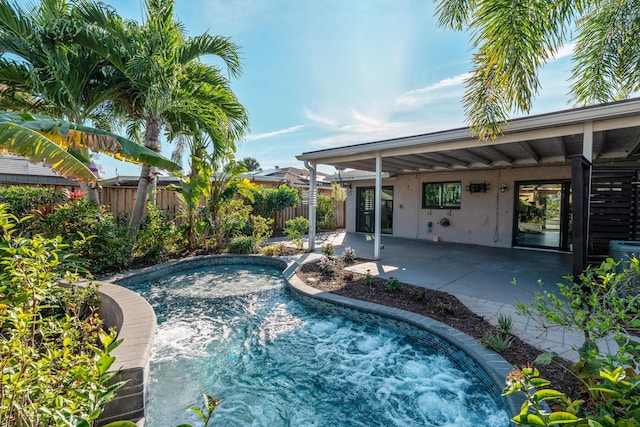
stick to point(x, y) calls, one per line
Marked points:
point(483, 218)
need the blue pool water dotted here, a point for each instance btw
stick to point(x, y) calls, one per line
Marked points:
point(234, 332)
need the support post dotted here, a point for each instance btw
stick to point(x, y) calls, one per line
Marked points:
point(313, 202)
point(378, 205)
point(581, 190)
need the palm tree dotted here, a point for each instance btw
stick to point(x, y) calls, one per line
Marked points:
point(169, 88)
point(514, 40)
point(42, 74)
point(49, 140)
point(251, 164)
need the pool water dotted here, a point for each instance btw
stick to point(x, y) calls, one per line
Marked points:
point(234, 332)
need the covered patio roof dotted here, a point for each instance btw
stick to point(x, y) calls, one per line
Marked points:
point(546, 139)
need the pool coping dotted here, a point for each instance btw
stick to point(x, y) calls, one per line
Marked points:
point(494, 365)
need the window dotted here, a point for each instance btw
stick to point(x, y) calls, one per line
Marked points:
point(441, 195)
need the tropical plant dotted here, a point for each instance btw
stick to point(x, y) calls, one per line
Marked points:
point(157, 237)
point(295, 229)
point(505, 323)
point(93, 233)
point(22, 201)
point(55, 352)
point(602, 302)
point(250, 164)
point(206, 412)
point(42, 72)
point(268, 202)
point(227, 186)
point(497, 341)
point(168, 87)
point(514, 40)
point(368, 278)
point(52, 141)
point(191, 191)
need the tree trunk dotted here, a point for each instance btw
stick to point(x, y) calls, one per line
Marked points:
point(144, 183)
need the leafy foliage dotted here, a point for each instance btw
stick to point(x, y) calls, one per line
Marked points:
point(93, 234)
point(514, 40)
point(295, 229)
point(22, 201)
point(393, 284)
point(324, 212)
point(603, 302)
point(328, 249)
point(271, 200)
point(54, 355)
point(157, 237)
point(243, 245)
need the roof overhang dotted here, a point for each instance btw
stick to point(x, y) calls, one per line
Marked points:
point(535, 140)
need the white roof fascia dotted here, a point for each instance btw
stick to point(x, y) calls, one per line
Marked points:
point(607, 116)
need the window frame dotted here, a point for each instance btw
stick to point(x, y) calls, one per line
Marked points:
point(440, 186)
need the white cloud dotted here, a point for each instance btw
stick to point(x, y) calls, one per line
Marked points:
point(292, 129)
point(432, 93)
point(316, 118)
point(564, 51)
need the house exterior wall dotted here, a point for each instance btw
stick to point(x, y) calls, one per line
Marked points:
point(483, 218)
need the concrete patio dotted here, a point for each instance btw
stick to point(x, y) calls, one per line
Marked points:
point(480, 277)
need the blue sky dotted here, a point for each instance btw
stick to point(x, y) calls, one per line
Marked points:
point(327, 73)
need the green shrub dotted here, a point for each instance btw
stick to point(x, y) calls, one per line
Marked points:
point(268, 250)
point(243, 245)
point(271, 200)
point(327, 249)
point(55, 354)
point(21, 201)
point(296, 228)
point(260, 228)
point(95, 235)
point(324, 213)
point(157, 237)
point(393, 285)
point(601, 303)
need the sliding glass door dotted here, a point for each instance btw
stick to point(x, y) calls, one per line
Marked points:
point(365, 218)
point(543, 215)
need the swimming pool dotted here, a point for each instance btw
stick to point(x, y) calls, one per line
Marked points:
point(234, 332)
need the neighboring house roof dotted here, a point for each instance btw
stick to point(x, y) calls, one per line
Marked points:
point(293, 176)
point(18, 170)
point(529, 141)
point(289, 175)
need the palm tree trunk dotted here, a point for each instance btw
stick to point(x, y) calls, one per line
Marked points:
point(146, 176)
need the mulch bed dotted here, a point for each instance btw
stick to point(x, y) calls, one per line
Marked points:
point(438, 305)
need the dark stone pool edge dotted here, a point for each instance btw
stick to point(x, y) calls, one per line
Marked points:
point(494, 367)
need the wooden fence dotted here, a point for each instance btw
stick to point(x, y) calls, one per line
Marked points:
point(120, 202)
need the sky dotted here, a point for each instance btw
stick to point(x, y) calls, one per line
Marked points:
point(326, 73)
